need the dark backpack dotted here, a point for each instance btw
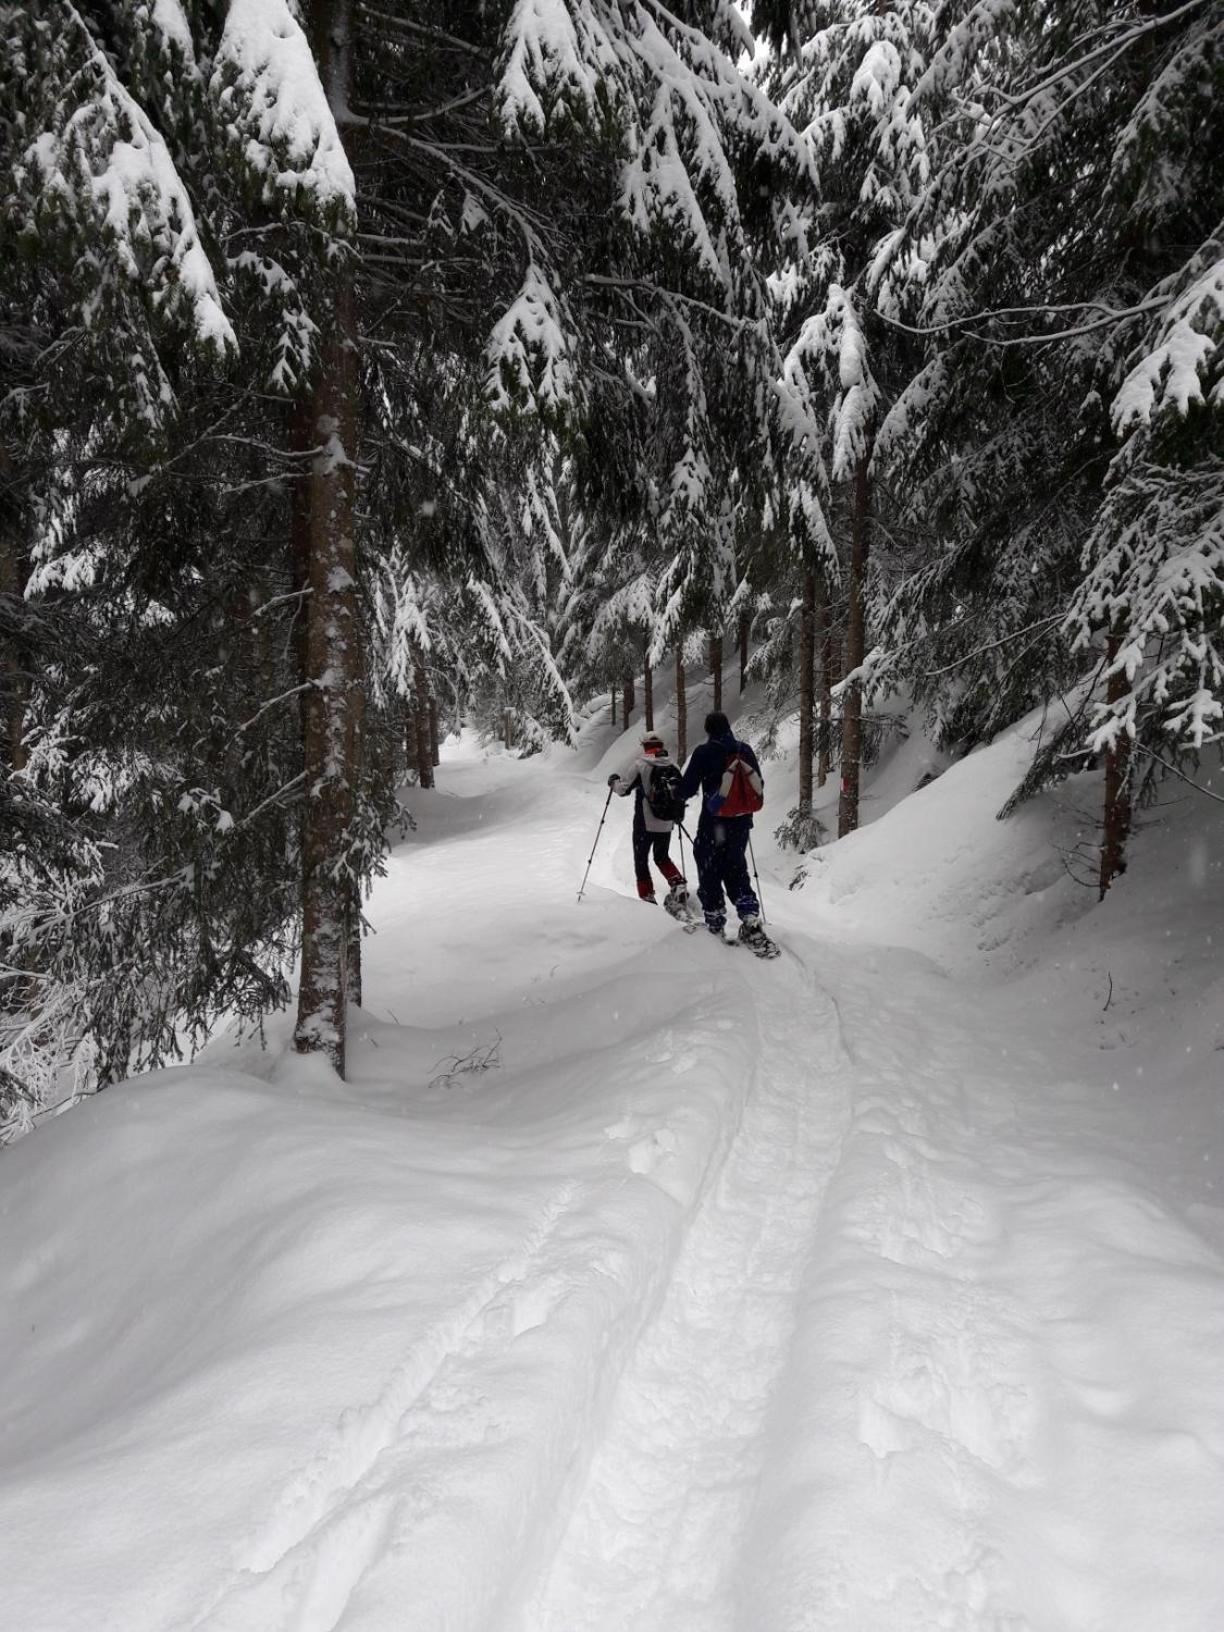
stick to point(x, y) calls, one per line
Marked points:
point(662, 793)
point(741, 791)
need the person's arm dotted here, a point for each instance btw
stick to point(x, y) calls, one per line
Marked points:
point(623, 783)
point(690, 782)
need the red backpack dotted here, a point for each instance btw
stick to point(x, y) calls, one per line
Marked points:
point(741, 791)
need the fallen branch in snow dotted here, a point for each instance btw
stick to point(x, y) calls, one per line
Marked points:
point(484, 1057)
point(1190, 782)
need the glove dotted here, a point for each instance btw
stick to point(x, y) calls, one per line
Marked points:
point(614, 779)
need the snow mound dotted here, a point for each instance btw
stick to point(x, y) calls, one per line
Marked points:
point(937, 872)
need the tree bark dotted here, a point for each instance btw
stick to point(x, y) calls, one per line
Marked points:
point(1117, 813)
point(627, 699)
point(354, 948)
point(681, 707)
point(613, 705)
point(14, 661)
point(856, 635)
point(434, 750)
point(807, 650)
point(825, 638)
point(332, 713)
point(648, 694)
point(333, 704)
point(744, 629)
point(716, 667)
point(411, 751)
point(421, 703)
point(508, 728)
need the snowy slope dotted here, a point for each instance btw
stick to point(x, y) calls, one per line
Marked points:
point(632, 1283)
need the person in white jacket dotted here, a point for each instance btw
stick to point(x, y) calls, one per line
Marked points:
point(652, 831)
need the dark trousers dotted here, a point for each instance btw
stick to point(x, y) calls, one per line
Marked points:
point(646, 845)
point(720, 853)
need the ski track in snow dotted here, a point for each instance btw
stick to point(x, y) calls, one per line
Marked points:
point(674, 1476)
point(331, 1520)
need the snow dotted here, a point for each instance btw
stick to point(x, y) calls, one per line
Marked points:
point(266, 78)
point(531, 331)
point(634, 1283)
point(112, 150)
point(169, 20)
point(1181, 358)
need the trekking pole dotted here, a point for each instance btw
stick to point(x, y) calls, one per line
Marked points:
point(595, 846)
point(756, 877)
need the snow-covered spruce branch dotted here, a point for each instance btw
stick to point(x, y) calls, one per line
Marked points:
point(277, 798)
point(993, 645)
point(1112, 48)
point(183, 879)
point(274, 702)
point(398, 113)
point(408, 25)
point(1189, 781)
point(674, 297)
point(1112, 316)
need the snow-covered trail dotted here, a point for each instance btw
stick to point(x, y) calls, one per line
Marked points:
point(654, 1543)
point(629, 1283)
point(903, 1303)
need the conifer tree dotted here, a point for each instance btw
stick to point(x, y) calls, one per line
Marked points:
point(1063, 429)
point(848, 81)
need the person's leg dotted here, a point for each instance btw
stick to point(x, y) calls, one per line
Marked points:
point(735, 870)
point(641, 859)
point(660, 844)
point(709, 876)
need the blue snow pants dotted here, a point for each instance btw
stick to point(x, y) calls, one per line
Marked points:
point(720, 855)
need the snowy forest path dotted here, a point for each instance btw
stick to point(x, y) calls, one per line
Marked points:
point(839, 1386)
point(627, 1284)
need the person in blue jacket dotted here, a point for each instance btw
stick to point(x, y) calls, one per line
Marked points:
point(720, 844)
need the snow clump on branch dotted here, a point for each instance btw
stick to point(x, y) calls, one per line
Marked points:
point(266, 80)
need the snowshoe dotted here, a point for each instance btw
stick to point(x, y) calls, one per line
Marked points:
point(755, 939)
point(676, 902)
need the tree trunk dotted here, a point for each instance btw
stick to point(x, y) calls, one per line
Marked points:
point(354, 947)
point(681, 707)
point(434, 751)
point(716, 666)
point(807, 646)
point(825, 638)
point(1117, 814)
point(411, 752)
point(744, 628)
point(333, 708)
point(613, 705)
point(648, 694)
point(332, 714)
point(14, 661)
point(421, 705)
point(627, 699)
point(856, 636)
point(508, 728)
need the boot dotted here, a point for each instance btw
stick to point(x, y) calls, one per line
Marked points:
point(753, 936)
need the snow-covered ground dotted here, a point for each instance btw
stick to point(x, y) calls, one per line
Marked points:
point(634, 1285)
